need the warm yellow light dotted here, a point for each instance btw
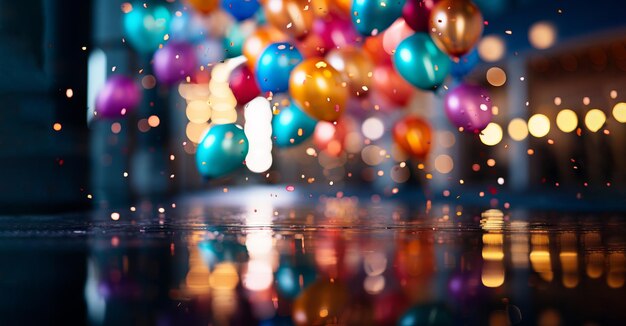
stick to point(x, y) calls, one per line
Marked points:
point(595, 119)
point(195, 131)
point(491, 48)
point(619, 112)
point(542, 35)
point(491, 135)
point(198, 111)
point(566, 120)
point(496, 76)
point(518, 129)
point(538, 125)
point(444, 164)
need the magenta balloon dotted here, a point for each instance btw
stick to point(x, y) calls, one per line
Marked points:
point(174, 62)
point(468, 106)
point(416, 13)
point(119, 96)
point(335, 31)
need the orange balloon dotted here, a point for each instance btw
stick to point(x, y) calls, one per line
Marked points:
point(318, 89)
point(456, 26)
point(373, 46)
point(290, 16)
point(355, 66)
point(312, 46)
point(389, 84)
point(258, 41)
point(413, 135)
point(342, 6)
point(204, 6)
point(321, 7)
point(393, 35)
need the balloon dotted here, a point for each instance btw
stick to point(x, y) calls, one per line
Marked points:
point(372, 46)
point(420, 62)
point(342, 7)
point(330, 137)
point(146, 28)
point(174, 62)
point(235, 37)
point(356, 68)
point(323, 295)
point(258, 41)
point(209, 51)
point(222, 150)
point(275, 65)
point(456, 26)
point(119, 95)
point(468, 107)
point(413, 135)
point(317, 88)
point(241, 9)
point(394, 88)
point(204, 6)
point(311, 46)
point(291, 126)
point(427, 315)
point(371, 17)
point(395, 34)
point(187, 28)
point(416, 13)
point(243, 84)
point(294, 17)
point(464, 64)
point(335, 32)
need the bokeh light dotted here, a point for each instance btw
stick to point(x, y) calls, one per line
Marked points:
point(373, 128)
point(566, 120)
point(595, 119)
point(198, 111)
point(539, 125)
point(542, 35)
point(444, 164)
point(496, 76)
point(491, 135)
point(518, 129)
point(619, 112)
point(491, 48)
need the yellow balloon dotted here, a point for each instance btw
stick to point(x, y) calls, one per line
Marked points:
point(318, 89)
point(204, 6)
point(293, 17)
point(355, 66)
point(456, 26)
point(258, 41)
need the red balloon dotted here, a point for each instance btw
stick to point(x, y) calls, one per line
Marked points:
point(335, 32)
point(391, 85)
point(416, 13)
point(243, 84)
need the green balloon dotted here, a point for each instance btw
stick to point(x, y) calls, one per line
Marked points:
point(145, 28)
point(222, 150)
point(420, 62)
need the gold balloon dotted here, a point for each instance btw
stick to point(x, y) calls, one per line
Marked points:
point(204, 6)
point(318, 89)
point(293, 17)
point(456, 26)
point(355, 66)
point(258, 41)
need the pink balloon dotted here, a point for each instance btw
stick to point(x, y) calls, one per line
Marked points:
point(119, 96)
point(335, 32)
point(468, 106)
point(416, 13)
point(397, 32)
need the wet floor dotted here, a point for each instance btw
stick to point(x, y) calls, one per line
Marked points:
point(268, 257)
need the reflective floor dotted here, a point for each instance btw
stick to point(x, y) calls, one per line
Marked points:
point(276, 257)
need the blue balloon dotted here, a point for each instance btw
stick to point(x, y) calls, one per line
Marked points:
point(145, 28)
point(420, 62)
point(275, 65)
point(375, 15)
point(222, 150)
point(187, 28)
point(241, 9)
point(465, 65)
point(291, 126)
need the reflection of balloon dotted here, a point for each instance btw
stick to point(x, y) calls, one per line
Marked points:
point(222, 150)
point(294, 17)
point(243, 84)
point(317, 88)
point(388, 83)
point(209, 51)
point(119, 95)
point(465, 64)
point(241, 9)
point(145, 28)
point(335, 32)
point(413, 135)
point(174, 62)
point(416, 13)
point(456, 26)
point(371, 17)
point(258, 41)
point(321, 303)
point(468, 106)
point(355, 66)
point(427, 315)
point(395, 34)
point(275, 65)
point(204, 6)
point(420, 62)
point(291, 126)
point(288, 279)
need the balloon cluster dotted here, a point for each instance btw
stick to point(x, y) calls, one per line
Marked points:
point(315, 57)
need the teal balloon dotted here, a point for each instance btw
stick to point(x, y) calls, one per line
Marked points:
point(275, 65)
point(222, 150)
point(370, 15)
point(287, 124)
point(234, 39)
point(420, 62)
point(145, 28)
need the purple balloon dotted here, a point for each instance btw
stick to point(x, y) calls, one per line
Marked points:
point(335, 31)
point(119, 95)
point(174, 62)
point(416, 14)
point(468, 106)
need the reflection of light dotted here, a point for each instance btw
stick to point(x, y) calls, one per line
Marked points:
point(538, 125)
point(496, 76)
point(491, 48)
point(493, 253)
point(619, 112)
point(595, 119)
point(373, 128)
point(518, 129)
point(617, 270)
point(567, 120)
point(540, 256)
point(197, 279)
point(224, 277)
point(259, 275)
point(375, 264)
point(444, 164)
point(542, 35)
point(491, 135)
point(569, 260)
point(374, 284)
